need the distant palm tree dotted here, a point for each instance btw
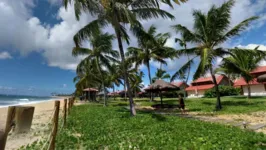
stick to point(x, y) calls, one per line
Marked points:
point(161, 74)
point(117, 14)
point(87, 76)
point(242, 62)
point(152, 48)
point(210, 31)
point(137, 82)
point(102, 53)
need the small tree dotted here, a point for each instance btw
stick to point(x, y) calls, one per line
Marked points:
point(242, 62)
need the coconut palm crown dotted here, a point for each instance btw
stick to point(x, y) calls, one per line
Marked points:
point(210, 30)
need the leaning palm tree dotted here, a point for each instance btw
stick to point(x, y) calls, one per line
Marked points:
point(101, 52)
point(210, 31)
point(117, 14)
point(242, 62)
point(161, 74)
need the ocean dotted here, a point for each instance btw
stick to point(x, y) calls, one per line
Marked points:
point(11, 100)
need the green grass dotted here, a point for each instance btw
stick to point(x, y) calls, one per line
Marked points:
point(231, 105)
point(97, 127)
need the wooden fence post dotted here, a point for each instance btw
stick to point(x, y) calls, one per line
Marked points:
point(55, 126)
point(65, 111)
point(9, 123)
point(68, 108)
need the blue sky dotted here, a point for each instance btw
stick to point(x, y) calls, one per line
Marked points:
point(36, 41)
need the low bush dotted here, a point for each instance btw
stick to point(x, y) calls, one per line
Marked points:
point(224, 91)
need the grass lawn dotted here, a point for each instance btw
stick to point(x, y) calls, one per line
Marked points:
point(96, 127)
point(231, 105)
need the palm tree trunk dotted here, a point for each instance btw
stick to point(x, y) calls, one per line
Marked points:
point(125, 89)
point(104, 92)
point(218, 103)
point(229, 79)
point(188, 74)
point(114, 91)
point(120, 45)
point(249, 92)
point(149, 73)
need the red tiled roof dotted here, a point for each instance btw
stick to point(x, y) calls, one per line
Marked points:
point(90, 90)
point(241, 81)
point(200, 87)
point(178, 84)
point(259, 69)
point(207, 79)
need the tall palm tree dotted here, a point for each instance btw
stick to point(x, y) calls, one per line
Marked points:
point(242, 62)
point(161, 74)
point(152, 48)
point(117, 13)
point(210, 31)
point(102, 53)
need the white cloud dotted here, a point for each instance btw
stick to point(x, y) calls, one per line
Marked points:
point(5, 55)
point(25, 33)
point(64, 85)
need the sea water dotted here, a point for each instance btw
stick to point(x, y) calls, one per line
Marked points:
point(11, 100)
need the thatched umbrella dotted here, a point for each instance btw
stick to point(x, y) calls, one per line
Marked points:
point(261, 78)
point(90, 91)
point(159, 86)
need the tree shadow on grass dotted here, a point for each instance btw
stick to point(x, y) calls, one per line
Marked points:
point(159, 117)
point(241, 103)
point(195, 109)
point(245, 97)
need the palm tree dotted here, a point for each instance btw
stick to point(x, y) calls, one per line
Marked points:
point(117, 14)
point(161, 74)
point(152, 48)
point(136, 82)
point(242, 62)
point(87, 76)
point(102, 53)
point(180, 74)
point(210, 31)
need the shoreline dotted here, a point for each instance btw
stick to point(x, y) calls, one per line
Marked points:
point(34, 102)
point(39, 128)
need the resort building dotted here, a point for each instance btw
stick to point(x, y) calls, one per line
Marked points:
point(199, 86)
point(256, 88)
point(181, 85)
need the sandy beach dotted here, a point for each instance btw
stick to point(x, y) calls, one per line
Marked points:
point(42, 117)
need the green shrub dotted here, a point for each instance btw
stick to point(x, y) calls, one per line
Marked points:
point(224, 91)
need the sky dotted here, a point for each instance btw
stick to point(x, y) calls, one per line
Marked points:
point(36, 41)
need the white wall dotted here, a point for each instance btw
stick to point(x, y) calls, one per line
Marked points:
point(256, 90)
point(192, 94)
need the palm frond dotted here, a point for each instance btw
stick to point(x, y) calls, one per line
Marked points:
point(148, 13)
point(235, 31)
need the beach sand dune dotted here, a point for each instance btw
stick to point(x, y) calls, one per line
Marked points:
point(40, 124)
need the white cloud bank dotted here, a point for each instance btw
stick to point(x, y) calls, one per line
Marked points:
point(5, 55)
point(25, 33)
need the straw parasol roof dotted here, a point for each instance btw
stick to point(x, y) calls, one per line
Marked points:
point(261, 78)
point(90, 90)
point(161, 85)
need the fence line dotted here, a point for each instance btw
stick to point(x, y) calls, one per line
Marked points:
point(68, 104)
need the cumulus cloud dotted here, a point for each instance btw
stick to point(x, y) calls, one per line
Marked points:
point(5, 55)
point(23, 32)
